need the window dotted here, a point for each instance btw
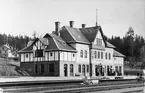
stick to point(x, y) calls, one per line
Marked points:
point(35, 68)
point(73, 55)
point(85, 53)
point(106, 55)
point(87, 68)
point(83, 69)
point(92, 54)
point(81, 53)
point(26, 55)
point(42, 68)
point(99, 42)
point(120, 69)
point(51, 54)
point(116, 68)
point(79, 68)
point(51, 68)
point(98, 55)
point(101, 55)
point(109, 56)
point(95, 53)
point(65, 70)
point(71, 69)
point(39, 53)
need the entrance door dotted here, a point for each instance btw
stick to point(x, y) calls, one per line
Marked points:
point(65, 70)
point(97, 70)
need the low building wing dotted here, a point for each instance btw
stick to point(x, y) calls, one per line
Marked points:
point(117, 54)
point(109, 45)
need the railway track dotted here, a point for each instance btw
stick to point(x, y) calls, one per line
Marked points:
point(71, 88)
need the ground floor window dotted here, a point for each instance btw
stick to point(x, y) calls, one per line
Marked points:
point(51, 68)
point(65, 69)
point(42, 68)
point(87, 68)
point(97, 70)
point(118, 70)
point(79, 68)
point(83, 70)
point(36, 68)
point(71, 69)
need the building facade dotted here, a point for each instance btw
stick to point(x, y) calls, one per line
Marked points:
point(70, 52)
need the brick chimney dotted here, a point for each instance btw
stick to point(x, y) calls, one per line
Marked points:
point(71, 23)
point(83, 25)
point(57, 26)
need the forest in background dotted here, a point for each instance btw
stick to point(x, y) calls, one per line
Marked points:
point(17, 42)
point(131, 45)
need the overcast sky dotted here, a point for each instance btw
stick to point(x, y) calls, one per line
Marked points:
point(115, 16)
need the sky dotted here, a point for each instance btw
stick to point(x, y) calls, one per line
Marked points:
point(23, 17)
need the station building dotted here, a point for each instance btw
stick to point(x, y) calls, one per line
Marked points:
point(72, 52)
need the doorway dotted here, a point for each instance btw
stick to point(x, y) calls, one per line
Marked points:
point(65, 70)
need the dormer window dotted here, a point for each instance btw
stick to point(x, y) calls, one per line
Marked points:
point(39, 53)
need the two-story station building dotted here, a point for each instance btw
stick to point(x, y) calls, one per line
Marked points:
point(70, 51)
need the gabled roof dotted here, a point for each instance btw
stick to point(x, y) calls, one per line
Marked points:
point(117, 54)
point(57, 43)
point(29, 47)
point(70, 34)
point(30, 42)
point(109, 45)
point(90, 33)
point(42, 40)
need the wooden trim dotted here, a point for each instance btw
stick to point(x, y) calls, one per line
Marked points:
point(24, 57)
point(29, 56)
point(54, 55)
point(58, 55)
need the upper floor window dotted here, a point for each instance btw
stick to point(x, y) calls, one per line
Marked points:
point(51, 54)
point(95, 54)
point(73, 55)
point(99, 41)
point(39, 53)
point(92, 53)
point(98, 55)
point(86, 53)
point(101, 55)
point(26, 55)
point(106, 55)
point(81, 53)
point(109, 56)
